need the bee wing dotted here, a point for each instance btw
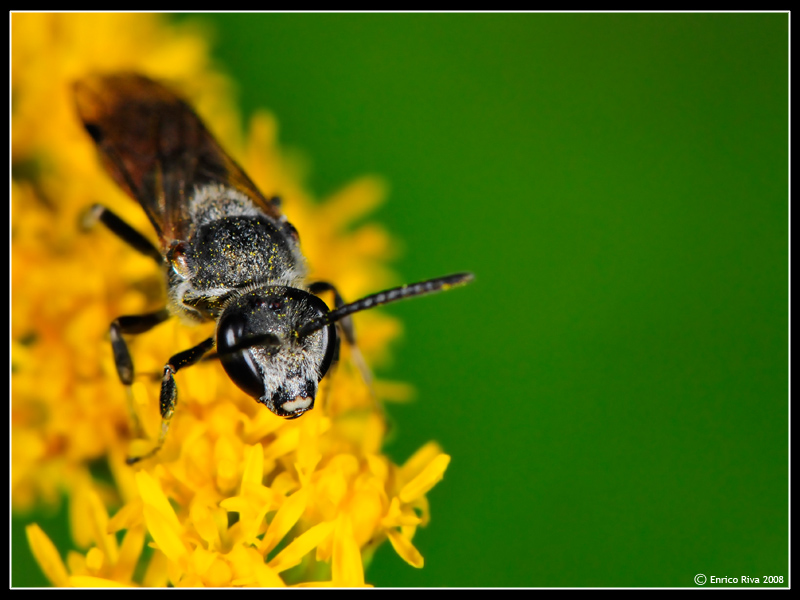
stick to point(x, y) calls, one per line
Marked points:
point(157, 149)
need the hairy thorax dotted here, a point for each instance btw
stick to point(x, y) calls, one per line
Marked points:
point(232, 247)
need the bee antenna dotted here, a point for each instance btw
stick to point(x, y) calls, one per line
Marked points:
point(264, 339)
point(399, 293)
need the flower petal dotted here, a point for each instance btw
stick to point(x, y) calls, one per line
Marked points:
point(79, 514)
point(157, 573)
point(126, 517)
point(285, 443)
point(302, 545)
point(429, 477)
point(207, 523)
point(152, 496)
point(419, 460)
point(354, 200)
point(94, 582)
point(253, 466)
point(347, 570)
point(129, 553)
point(403, 546)
point(164, 534)
point(397, 516)
point(47, 556)
point(94, 560)
point(105, 541)
point(266, 576)
point(286, 517)
point(320, 584)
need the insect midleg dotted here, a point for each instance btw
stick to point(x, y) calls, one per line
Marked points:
point(168, 397)
point(131, 324)
point(348, 331)
point(125, 232)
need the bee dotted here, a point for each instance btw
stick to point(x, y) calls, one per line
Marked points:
point(227, 253)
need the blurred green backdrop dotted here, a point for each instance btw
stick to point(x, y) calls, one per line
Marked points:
point(613, 389)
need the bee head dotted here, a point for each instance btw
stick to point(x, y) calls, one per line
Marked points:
point(277, 342)
point(260, 349)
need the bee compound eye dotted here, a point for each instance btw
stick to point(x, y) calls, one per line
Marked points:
point(177, 255)
point(238, 364)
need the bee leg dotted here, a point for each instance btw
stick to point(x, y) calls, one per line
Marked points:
point(345, 325)
point(131, 324)
point(98, 212)
point(169, 390)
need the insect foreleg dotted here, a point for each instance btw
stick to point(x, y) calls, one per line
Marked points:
point(128, 234)
point(169, 390)
point(131, 324)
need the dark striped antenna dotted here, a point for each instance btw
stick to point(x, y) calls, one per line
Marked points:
point(393, 295)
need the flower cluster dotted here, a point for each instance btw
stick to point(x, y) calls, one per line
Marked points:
point(236, 496)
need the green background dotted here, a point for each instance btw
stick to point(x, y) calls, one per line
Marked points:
point(613, 388)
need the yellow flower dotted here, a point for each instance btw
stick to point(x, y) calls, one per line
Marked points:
point(237, 496)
